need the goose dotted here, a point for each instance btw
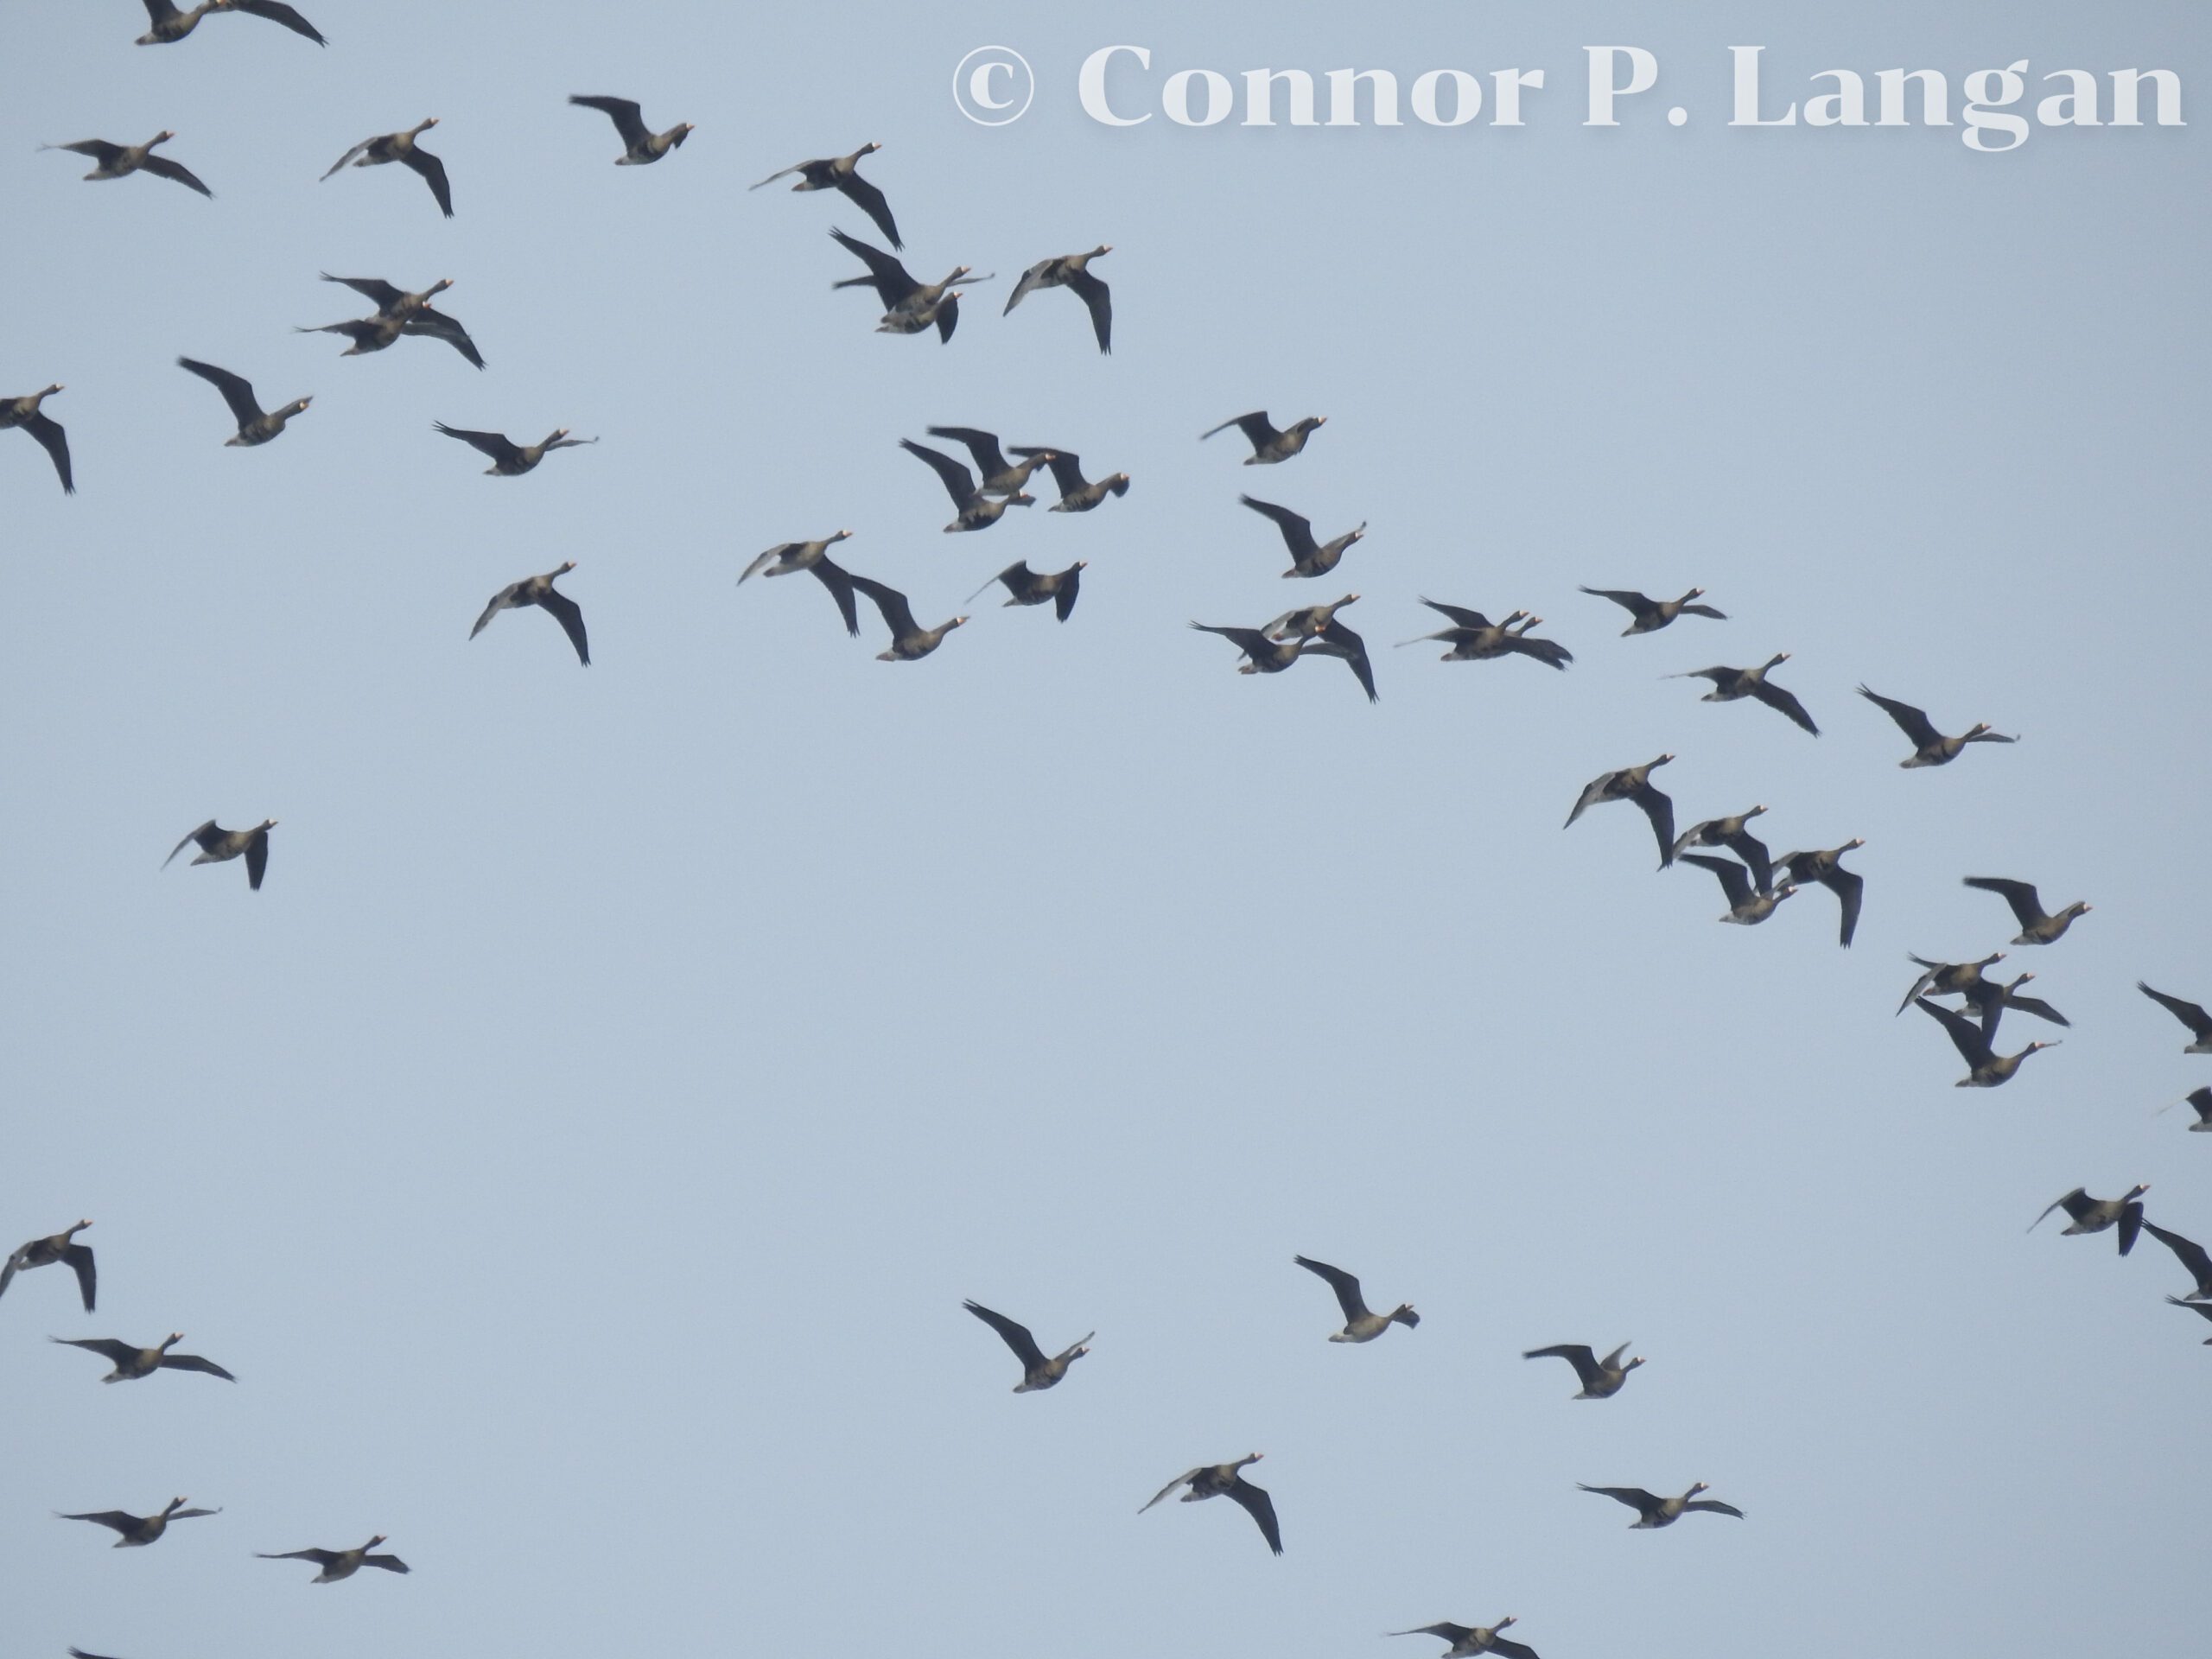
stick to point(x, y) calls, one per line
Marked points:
point(644, 146)
point(1307, 619)
point(1034, 587)
point(1747, 904)
point(910, 641)
point(171, 25)
point(1037, 1373)
point(998, 476)
point(976, 510)
point(132, 1363)
point(942, 314)
point(539, 591)
point(1269, 446)
point(1930, 746)
point(1469, 1639)
point(138, 1530)
point(2037, 927)
point(45, 1252)
point(389, 298)
point(2204, 1308)
point(402, 147)
point(1654, 1511)
point(1730, 684)
point(1360, 1325)
point(1073, 271)
point(902, 296)
point(2191, 1014)
point(254, 426)
point(2090, 1215)
point(121, 160)
point(510, 458)
point(1987, 1068)
point(786, 557)
point(1730, 832)
point(1227, 1480)
point(24, 412)
point(416, 314)
point(1601, 1378)
point(1849, 887)
point(1266, 655)
point(2202, 1100)
point(217, 844)
point(1633, 784)
point(1989, 998)
point(1474, 638)
point(367, 334)
point(338, 1564)
point(838, 172)
point(1946, 978)
point(1308, 557)
point(2192, 1256)
point(1549, 652)
point(1652, 615)
point(1076, 495)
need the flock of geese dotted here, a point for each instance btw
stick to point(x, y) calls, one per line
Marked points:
point(993, 478)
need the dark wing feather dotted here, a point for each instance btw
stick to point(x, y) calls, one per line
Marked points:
point(839, 581)
point(120, 1519)
point(959, 482)
point(1506, 1648)
point(984, 446)
point(107, 1347)
point(571, 617)
point(1911, 721)
point(869, 199)
point(2191, 1255)
point(80, 1258)
point(1785, 703)
point(1635, 1496)
point(1973, 1048)
point(947, 318)
point(1016, 1336)
point(1660, 809)
point(389, 1563)
point(1297, 531)
point(99, 149)
point(1261, 1508)
point(1714, 1506)
point(277, 12)
point(1584, 1361)
point(1735, 879)
point(1748, 847)
point(237, 391)
point(1032, 279)
point(375, 290)
point(2189, 1013)
point(494, 444)
point(892, 280)
point(1100, 298)
point(1849, 889)
point(500, 602)
point(1254, 642)
point(1338, 640)
point(193, 1362)
point(1345, 1284)
point(256, 860)
point(2027, 906)
point(56, 442)
point(2038, 1007)
point(1064, 598)
point(1459, 613)
point(898, 615)
point(162, 167)
point(629, 119)
point(320, 1557)
point(433, 172)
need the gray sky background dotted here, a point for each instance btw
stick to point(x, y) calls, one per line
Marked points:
point(581, 1149)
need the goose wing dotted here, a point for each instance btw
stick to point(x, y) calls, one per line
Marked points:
point(99, 149)
point(161, 167)
point(2038, 1007)
point(1638, 603)
point(320, 1557)
point(1748, 847)
point(433, 172)
point(1345, 1284)
point(501, 601)
point(1973, 1048)
point(257, 865)
point(984, 446)
point(1659, 807)
point(2020, 895)
point(1459, 613)
point(107, 1347)
point(1064, 597)
point(1584, 1361)
point(237, 389)
point(1032, 279)
point(892, 280)
point(629, 120)
point(193, 1362)
point(1016, 1336)
point(1100, 300)
point(389, 1563)
point(1547, 651)
point(1850, 889)
point(1911, 721)
point(203, 835)
point(1592, 792)
point(56, 442)
point(374, 289)
point(869, 199)
point(1783, 703)
point(1507, 1648)
point(959, 482)
point(898, 614)
point(2191, 1014)
point(1714, 1506)
point(1735, 879)
point(340, 165)
point(1251, 641)
point(839, 581)
point(2074, 1204)
point(80, 1258)
point(494, 444)
point(118, 1519)
point(436, 325)
point(1255, 426)
point(2192, 1256)
point(1635, 1496)
point(1261, 1508)
point(1338, 640)
point(1297, 531)
point(570, 616)
point(278, 12)
point(1182, 1480)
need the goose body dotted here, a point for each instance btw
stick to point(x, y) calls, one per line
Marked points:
point(130, 1364)
point(641, 145)
point(1029, 586)
point(1360, 1324)
point(217, 844)
point(1633, 784)
point(2089, 1215)
point(1307, 619)
point(1037, 1371)
point(46, 1252)
point(840, 174)
point(973, 508)
point(1930, 746)
point(1946, 978)
point(1601, 1378)
point(2037, 927)
point(995, 474)
point(1733, 833)
point(787, 557)
point(1269, 446)
point(910, 641)
point(24, 413)
point(401, 147)
point(1731, 685)
point(510, 458)
point(136, 1531)
point(1654, 1511)
point(1652, 615)
point(256, 426)
point(1825, 867)
point(1077, 494)
point(121, 160)
point(540, 591)
point(1467, 1640)
point(1072, 272)
point(415, 313)
point(1308, 557)
point(909, 307)
point(170, 25)
point(1987, 1069)
point(1227, 1480)
point(336, 1564)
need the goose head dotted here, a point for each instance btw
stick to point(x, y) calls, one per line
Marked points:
point(567, 565)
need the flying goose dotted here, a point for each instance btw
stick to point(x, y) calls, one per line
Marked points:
point(1269, 446)
point(1989, 998)
point(417, 314)
point(510, 458)
point(2202, 1100)
point(1360, 1325)
point(838, 172)
point(785, 558)
point(2204, 1308)
point(1731, 683)
point(1930, 746)
point(1073, 271)
point(1945, 978)
point(2191, 1014)
point(644, 146)
point(1308, 557)
point(1266, 655)
point(1037, 1373)
point(45, 1252)
point(338, 1564)
point(1034, 587)
point(997, 475)
point(902, 296)
point(121, 160)
point(254, 426)
point(1849, 887)
point(1633, 784)
point(2037, 927)
point(132, 1363)
point(1467, 1640)
point(171, 25)
point(141, 1530)
point(1227, 1479)
point(1601, 1378)
point(974, 509)
point(2192, 1256)
point(942, 314)
point(540, 591)
point(217, 844)
point(1747, 904)
point(402, 147)
point(910, 641)
point(1077, 493)
point(1654, 1511)
point(24, 412)
point(367, 334)
point(1987, 1068)
point(1474, 638)
point(1307, 619)
point(1652, 615)
point(2095, 1215)
point(1730, 832)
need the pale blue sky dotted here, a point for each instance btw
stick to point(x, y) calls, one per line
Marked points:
point(582, 1147)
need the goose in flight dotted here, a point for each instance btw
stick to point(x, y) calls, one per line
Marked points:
point(2089, 1215)
point(1269, 446)
point(840, 173)
point(1991, 997)
point(217, 844)
point(974, 510)
point(1073, 271)
point(402, 147)
point(2191, 1014)
point(1654, 1511)
point(1360, 1325)
point(909, 307)
point(1037, 1373)
point(1308, 557)
point(510, 458)
point(1227, 1480)
point(2192, 1256)
point(1467, 1640)
point(1730, 684)
point(254, 427)
point(416, 314)
point(2037, 926)
point(1747, 904)
point(1034, 587)
point(1731, 833)
point(1633, 784)
point(121, 160)
point(131, 1363)
point(338, 1564)
point(2202, 1100)
point(139, 1530)
point(1652, 615)
point(1601, 1378)
point(1307, 619)
point(1987, 1069)
point(1849, 887)
point(1266, 655)
point(643, 146)
point(910, 641)
point(1946, 978)
point(1929, 746)
point(24, 412)
point(1077, 493)
point(60, 1246)
point(170, 25)
point(540, 591)
point(1474, 638)
point(785, 558)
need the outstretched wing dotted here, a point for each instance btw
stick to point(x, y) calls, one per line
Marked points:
point(1735, 879)
point(320, 1557)
point(1584, 1361)
point(892, 279)
point(1714, 1506)
point(2191, 1255)
point(1849, 888)
point(257, 865)
point(500, 602)
point(277, 12)
point(494, 444)
point(1784, 702)
point(80, 1258)
point(1345, 1284)
point(1911, 721)
point(1338, 640)
point(1182, 1480)
point(1032, 279)
point(1973, 1046)
point(339, 165)
point(107, 1347)
point(2027, 906)
point(984, 446)
point(237, 389)
point(1748, 847)
point(898, 614)
point(193, 1362)
point(1064, 597)
point(1261, 1508)
point(207, 828)
point(1100, 298)
point(2189, 1014)
point(56, 442)
point(629, 119)
point(1251, 641)
point(433, 172)
point(869, 199)
point(1635, 1496)
point(571, 617)
point(1659, 807)
point(839, 581)
point(959, 482)
point(162, 167)
point(1297, 531)
point(436, 325)
point(1016, 1336)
